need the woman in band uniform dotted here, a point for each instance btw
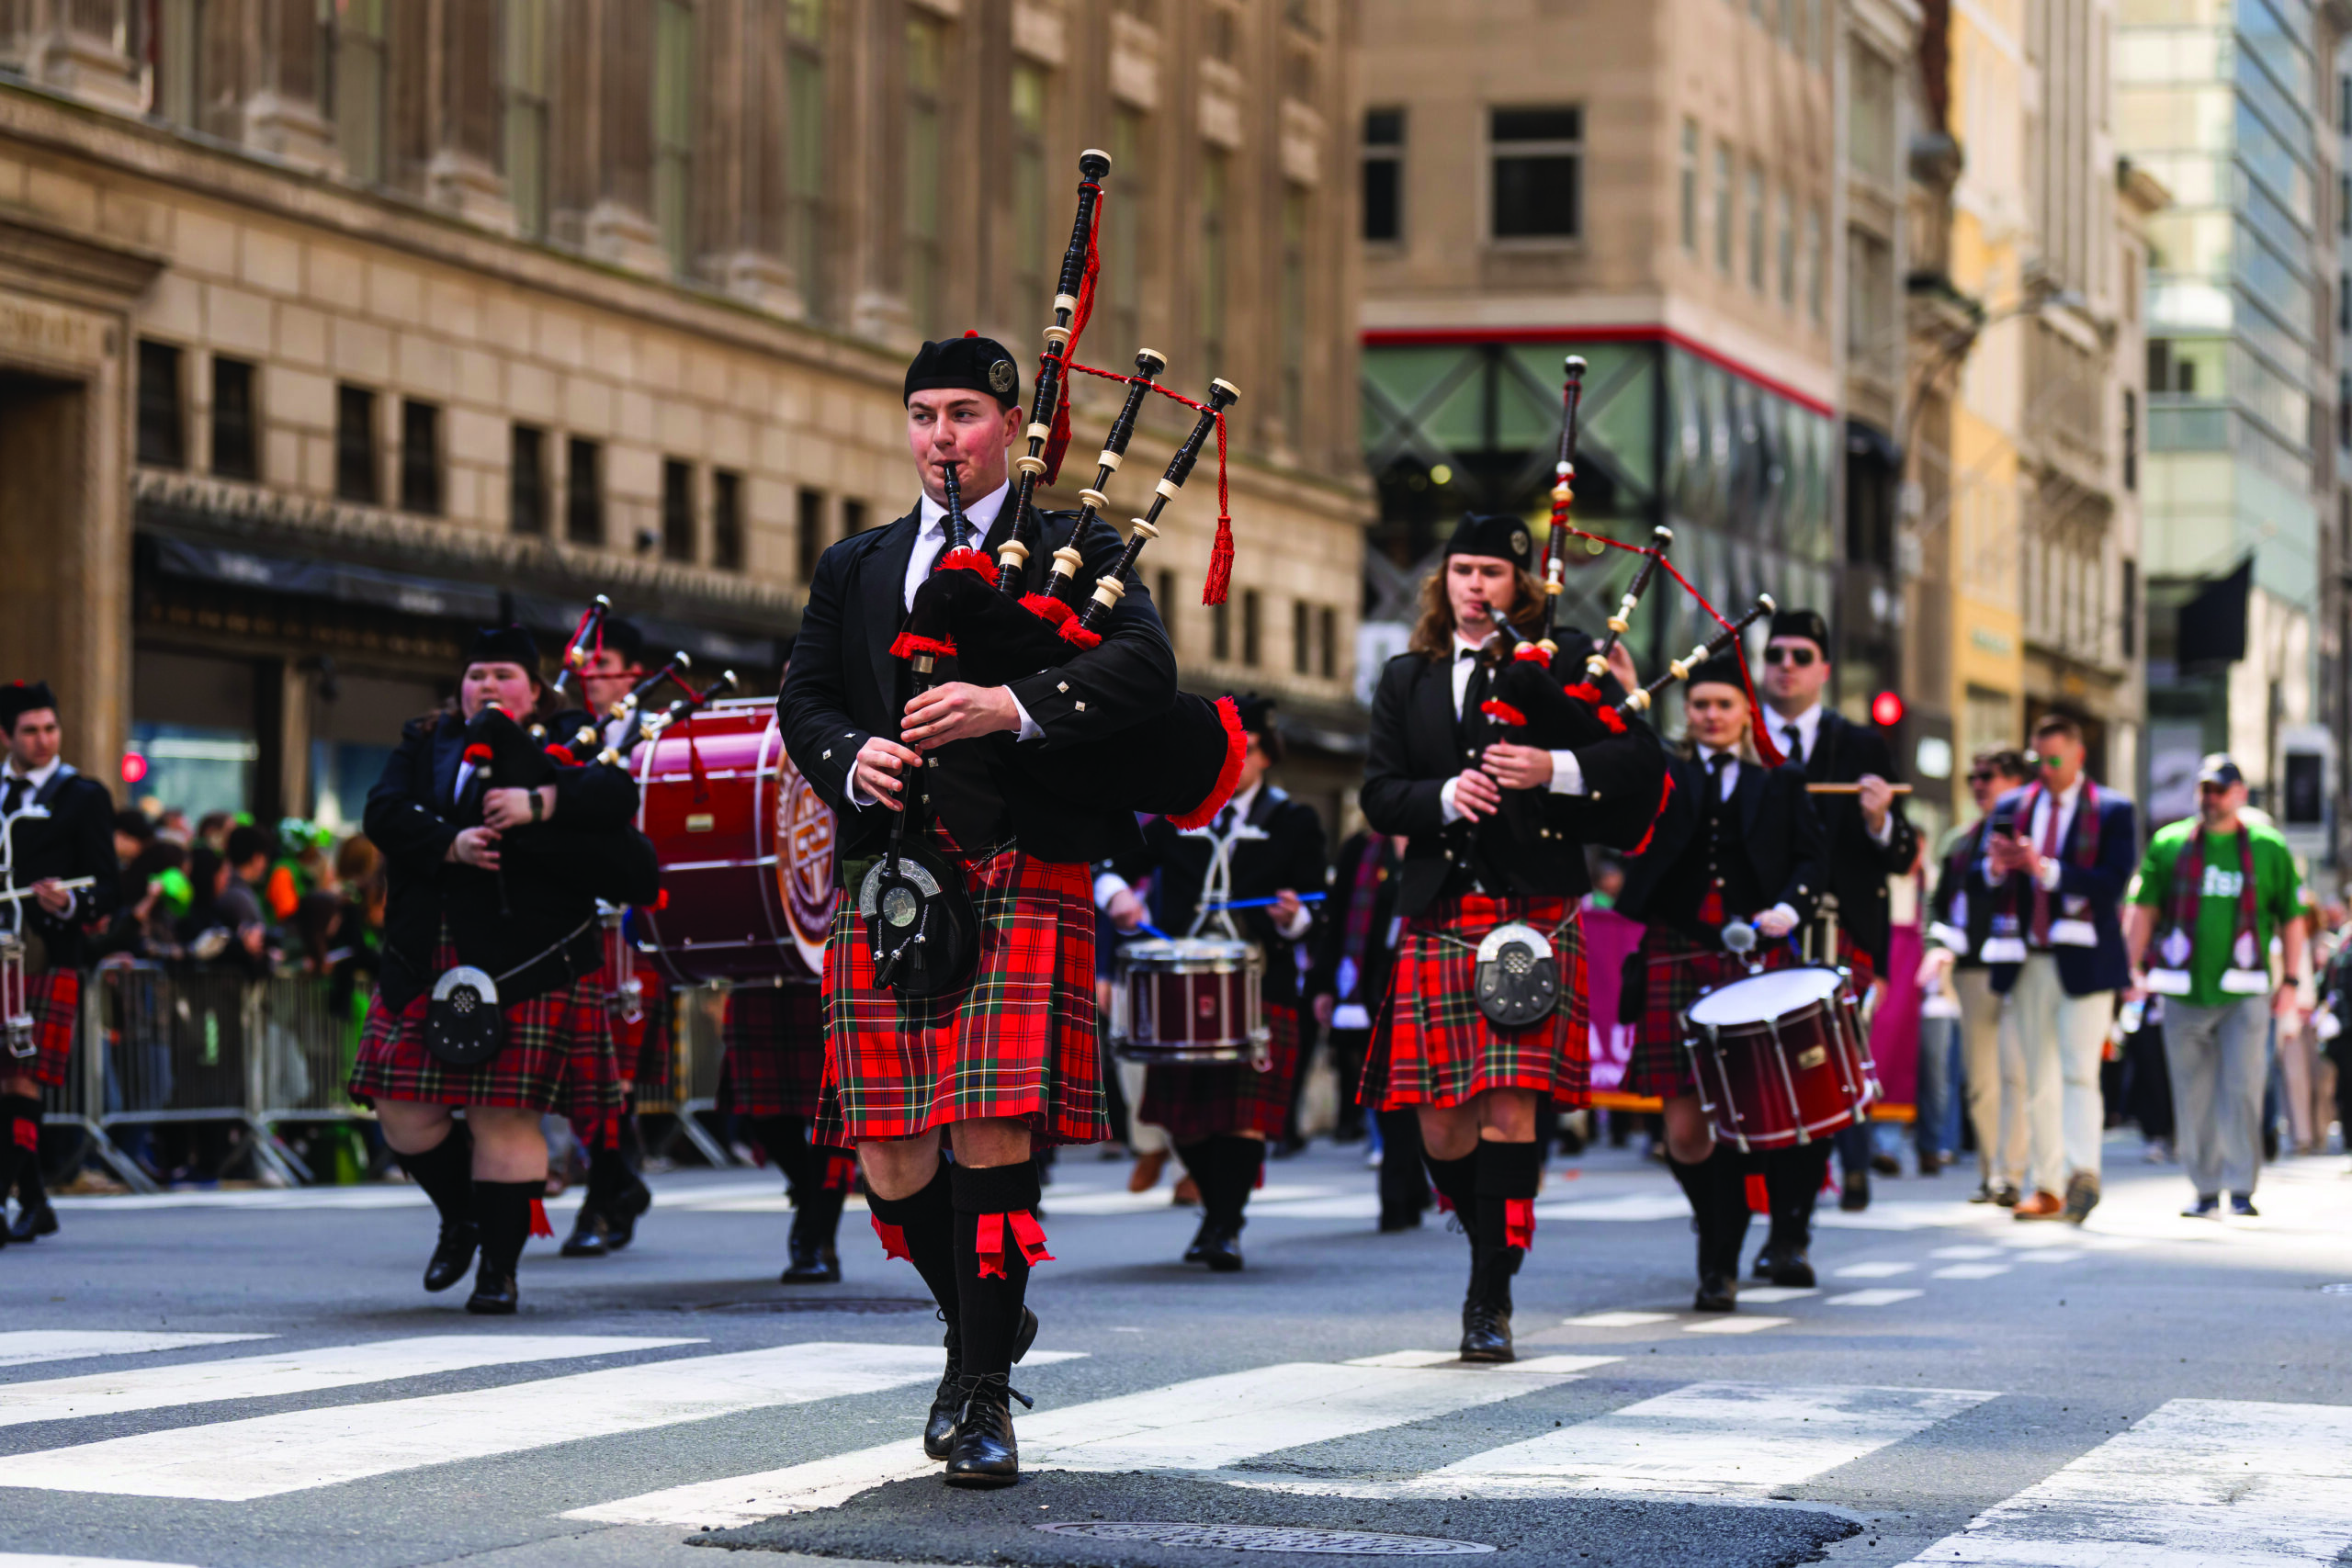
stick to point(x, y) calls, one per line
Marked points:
point(1737, 842)
point(1439, 771)
point(504, 896)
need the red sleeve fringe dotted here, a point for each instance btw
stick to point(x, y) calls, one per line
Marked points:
point(968, 559)
point(1237, 741)
point(1529, 653)
point(1078, 636)
point(1047, 606)
point(1611, 719)
point(1502, 712)
point(910, 643)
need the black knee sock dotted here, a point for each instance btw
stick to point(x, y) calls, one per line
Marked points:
point(20, 1138)
point(1726, 1171)
point(503, 1210)
point(817, 1215)
point(609, 1177)
point(1200, 1164)
point(1698, 1187)
point(446, 1171)
point(925, 1224)
point(785, 1140)
point(1457, 1181)
point(1793, 1177)
point(1237, 1162)
point(994, 1208)
point(1508, 1176)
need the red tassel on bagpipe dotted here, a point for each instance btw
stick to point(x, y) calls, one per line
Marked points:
point(1502, 712)
point(968, 559)
point(1237, 741)
point(539, 1225)
point(1519, 1223)
point(1078, 636)
point(1530, 653)
point(1047, 607)
point(1611, 719)
point(910, 643)
point(1664, 794)
point(894, 1240)
point(1057, 442)
point(1220, 579)
point(563, 754)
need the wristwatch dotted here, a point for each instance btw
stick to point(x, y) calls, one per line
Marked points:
point(537, 808)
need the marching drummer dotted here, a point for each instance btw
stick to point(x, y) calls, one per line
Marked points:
point(1732, 868)
point(1244, 872)
point(1439, 772)
point(771, 1077)
point(488, 896)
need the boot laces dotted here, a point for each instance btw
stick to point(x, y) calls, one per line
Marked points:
point(991, 1389)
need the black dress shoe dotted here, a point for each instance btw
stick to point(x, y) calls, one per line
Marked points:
point(495, 1295)
point(587, 1238)
point(1854, 1193)
point(1717, 1293)
point(1485, 1332)
point(811, 1264)
point(984, 1453)
point(939, 1428)
point(1221, 1249)
point(621, 1215)
point(1792, 1266)
point(1394, 1220)
point(1198, 1251)
point(452, 1256)
point(34, 1220)
point(1886, 1165)
point(1768, 1259)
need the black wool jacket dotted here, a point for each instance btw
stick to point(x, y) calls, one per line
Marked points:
point(1417, 745)
point(1857, 869)
point(75, 840)
point(841, 690)
point(1778, 825)
point(553, 872)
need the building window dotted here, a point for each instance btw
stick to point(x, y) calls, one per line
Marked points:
point(1252, 627)
point(355, 445)
point(1723, 208)
point(1538, 157)
point(809, 522)
point(852, 518)
point(1125, 217)
point(673, 129)
point(2344, 105)
point(1296, 227)
point(1165, 595)
point(526, 482)
point(420, 458)
point(804, 161)
point(1816, 266)
point(1787, 250)
point(583, 493)
point(2344, 301)
point(526, 66)
point(1224, 33)
point(926, 65)
point(727, 552)
point(1032, 247)
point(1756, 227)
point(1686, 214)
point(1213, 248)
point(677, 511)
point(2131, 439)
point(236, 435)
point(1221, 632)
point(355, 34)
point(2129, 618)
point(2343, 204)
point(2343, 408)
point(1870, 115)
point(1302, 637)
point(1327, 646)
point(162, 420)
point(1298, 75)
point(1384, 176)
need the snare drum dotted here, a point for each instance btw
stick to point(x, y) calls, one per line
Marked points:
point(1189, 1001)
point(1780, 1059)
point(746, 849)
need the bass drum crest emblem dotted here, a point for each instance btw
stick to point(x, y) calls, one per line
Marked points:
point(804, 862)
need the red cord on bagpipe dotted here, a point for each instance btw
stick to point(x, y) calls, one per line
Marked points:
point(1057, 442)
point(1770, 754)
point(1220, 578)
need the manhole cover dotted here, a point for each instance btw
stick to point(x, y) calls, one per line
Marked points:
point(1269, 1538)
point(865, 1304)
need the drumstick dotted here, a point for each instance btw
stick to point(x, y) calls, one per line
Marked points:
point(1262, 903)
point(1850, 789)
point(66, 886)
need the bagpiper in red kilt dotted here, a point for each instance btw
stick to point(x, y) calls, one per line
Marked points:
point(1431, 1045)
point(772, 1076)
point(54, 1000)
point(558, 1056)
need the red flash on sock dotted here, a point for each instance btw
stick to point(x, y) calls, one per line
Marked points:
point(1519, 1223)
point(26, 1133)
point(894, 1239)
point(988, 1241)
point(1031, 1235)
point(1760, 1196)
point(539, 1225)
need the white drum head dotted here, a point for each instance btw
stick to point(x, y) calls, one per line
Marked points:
point(1165, 951)
point(1760, 997)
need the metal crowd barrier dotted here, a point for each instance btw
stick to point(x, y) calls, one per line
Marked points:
point(690, 1087)
point(155, 1046)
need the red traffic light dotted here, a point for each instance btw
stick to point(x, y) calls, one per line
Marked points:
point(1886, 710)
point(134, 768)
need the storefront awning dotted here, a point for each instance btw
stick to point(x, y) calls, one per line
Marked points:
point(328, 579)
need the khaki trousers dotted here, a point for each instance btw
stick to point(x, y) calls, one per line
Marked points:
point(1994, 1064)
point(2060, 1038)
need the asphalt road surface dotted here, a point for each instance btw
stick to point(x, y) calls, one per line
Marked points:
point(254, 1377)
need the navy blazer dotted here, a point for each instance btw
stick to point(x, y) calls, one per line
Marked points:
point(2083, 970)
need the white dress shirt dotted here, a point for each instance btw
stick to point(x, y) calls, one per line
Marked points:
point(1808, 727)
point(35, 782)
point(1729, 786)
point(1109, 885)
point(930, 538)
point(1567, 774)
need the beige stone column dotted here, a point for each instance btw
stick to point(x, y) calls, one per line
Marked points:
point(287, 58)
point(462, 170)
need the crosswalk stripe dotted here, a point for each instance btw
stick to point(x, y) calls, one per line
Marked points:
point(1744, 1323)
point(294, 1371)
point(1205, 1424)
point(1971, 1271)
point(265, 1455)
point(1880, 1297)
point(1619, 1319)
point(24, 1347)
point(1771, 1296)
point(1872, 1271)
point(42, 1560)
point(2198, 1482)
point(1730, 1437)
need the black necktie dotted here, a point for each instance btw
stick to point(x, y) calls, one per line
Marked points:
point(16, 787)
point(1475, 692)
point(1225, 823)
point(1715, 766)
point(1796, 743)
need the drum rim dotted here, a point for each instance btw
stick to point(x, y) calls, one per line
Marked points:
point(1837, 976)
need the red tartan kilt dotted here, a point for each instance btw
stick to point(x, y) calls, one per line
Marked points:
point(775, 1063)
point(1432, 1046)
point(558, 1056)
point(54, 1000)
point(1018, 1041)
point(1675, 972)
point(1193, 1103)
point(640, 1049)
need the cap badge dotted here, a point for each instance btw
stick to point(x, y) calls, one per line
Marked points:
point(1000, 376)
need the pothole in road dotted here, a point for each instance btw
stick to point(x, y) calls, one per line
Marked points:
point(1269, 1538)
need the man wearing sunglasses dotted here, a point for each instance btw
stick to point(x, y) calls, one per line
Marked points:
point(1869, 839)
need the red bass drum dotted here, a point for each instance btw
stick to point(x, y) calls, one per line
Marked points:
point(746, 850)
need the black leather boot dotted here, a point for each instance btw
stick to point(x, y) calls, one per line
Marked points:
point(1485, 1310)
point(34, 1218)
point(939, 1430)
point(452, 1255)
point(495, 1294)
point(814, 1260)
point(984, 1453)
point(587, 1238)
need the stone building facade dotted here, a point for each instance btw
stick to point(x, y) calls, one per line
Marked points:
point(328, 331)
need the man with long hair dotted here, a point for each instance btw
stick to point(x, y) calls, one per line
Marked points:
point(1440, 770)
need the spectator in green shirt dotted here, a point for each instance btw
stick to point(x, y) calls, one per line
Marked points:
point(2210, 893)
